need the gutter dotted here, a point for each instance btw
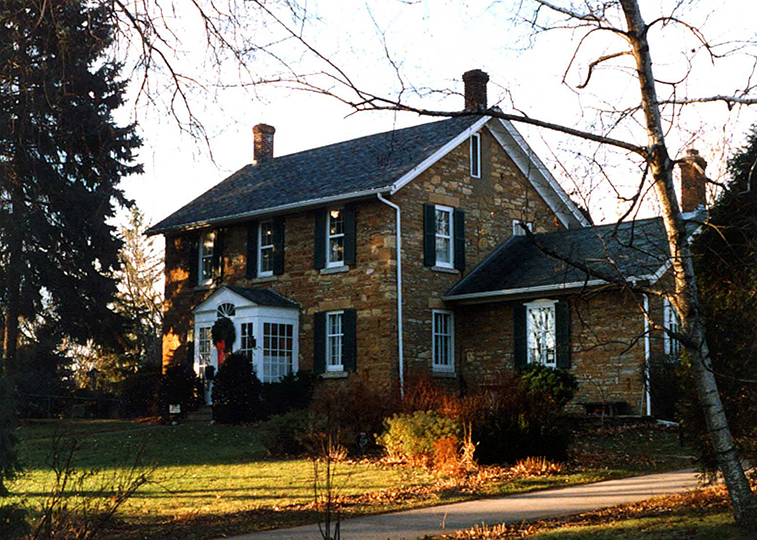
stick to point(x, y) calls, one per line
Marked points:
point(243, 216)
point(647, 355)
point(398, 242)
point(525, 290)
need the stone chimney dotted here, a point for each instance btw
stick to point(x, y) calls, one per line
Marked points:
point(693, 181)
point(475, 89)
point(262, 150)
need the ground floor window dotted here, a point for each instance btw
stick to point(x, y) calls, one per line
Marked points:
point(247, 342)
point(278, 350)
point(540, 332)
point(672, 323)
point(203, 345)
point(443, 341)
point(334, 341)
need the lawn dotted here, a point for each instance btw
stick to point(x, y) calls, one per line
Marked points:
point(214, 480)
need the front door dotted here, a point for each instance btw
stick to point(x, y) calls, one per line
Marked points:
point(206, 357)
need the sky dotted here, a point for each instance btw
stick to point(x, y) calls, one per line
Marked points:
point(430, 43)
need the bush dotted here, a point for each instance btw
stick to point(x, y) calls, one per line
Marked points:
point(179, 385)
point(352, 408)
point(290, 434)
point(139, 392)
point(292, 392)
point(236, 391)
point(548, 388)
point(514, 418)
point(412, 436)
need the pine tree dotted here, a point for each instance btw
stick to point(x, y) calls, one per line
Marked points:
point(61, 159)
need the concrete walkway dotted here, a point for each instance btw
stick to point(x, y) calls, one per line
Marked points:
point(414, 524)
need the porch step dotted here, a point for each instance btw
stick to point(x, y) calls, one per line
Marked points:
point(201, 415)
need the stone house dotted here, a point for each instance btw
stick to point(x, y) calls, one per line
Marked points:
point(403, 254)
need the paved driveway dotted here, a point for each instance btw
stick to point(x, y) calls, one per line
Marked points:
point(413, 524)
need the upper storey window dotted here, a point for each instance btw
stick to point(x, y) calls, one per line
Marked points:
point(265, 249)
point(207, 243)
point(335, 238)
point(475, 155)
point(443, 237)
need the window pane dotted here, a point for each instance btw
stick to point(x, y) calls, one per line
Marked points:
point(442, 222)
point(277, 353)
point(266, 234)
point(336, 249)
point(442, 250)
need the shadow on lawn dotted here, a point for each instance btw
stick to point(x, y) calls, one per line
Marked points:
point(208, 525)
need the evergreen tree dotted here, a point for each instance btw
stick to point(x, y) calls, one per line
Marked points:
point(139, 297)
point(61, 159)
point(726, 269)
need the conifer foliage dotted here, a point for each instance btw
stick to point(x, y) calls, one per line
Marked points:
point(61, 159)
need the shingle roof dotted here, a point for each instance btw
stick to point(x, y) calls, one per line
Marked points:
point(368, 163)
point(636, 249)
point(264, 297)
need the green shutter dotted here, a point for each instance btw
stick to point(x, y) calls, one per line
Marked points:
point(278, 246)
point(429, 234)
point(349, 351)
point(193, 259)
point(319, 342)
point(319, 233)
point(349, 234)
point(252, 250)
point(459, 219)
point(562, 334)
point(520, 342)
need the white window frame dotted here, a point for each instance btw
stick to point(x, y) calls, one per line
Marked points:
point(451, 237)
point(475, 155)
point(247, 339)
point(262, 247)
point(518, 227)
point(672, 322)
point(334, 363)
point(436, 366)
point(539, 305)
point(266, 325)
point(204, 337)
point(204, 255)
point(330, 237)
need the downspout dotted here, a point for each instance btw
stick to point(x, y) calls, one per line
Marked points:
point(399, 291)
point(647, 355)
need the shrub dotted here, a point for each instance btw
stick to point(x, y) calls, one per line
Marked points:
point(180, 386)
point(292, 392)
point(139, 392)
point(548, 388)
point(352, 408)
point(412, 435)
point(236, 391)
point(290, 434)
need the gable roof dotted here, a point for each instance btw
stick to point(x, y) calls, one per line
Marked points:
point(260, 296)
point(637, 250)
point(349, 170)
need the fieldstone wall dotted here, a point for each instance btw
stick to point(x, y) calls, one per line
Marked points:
point(607, 346)
point(369, 286)
point(491, 203)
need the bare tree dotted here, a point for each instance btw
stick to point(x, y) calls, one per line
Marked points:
point(651, 116)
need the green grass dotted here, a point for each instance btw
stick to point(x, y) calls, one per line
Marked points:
point(212, 480)
point(684, 526)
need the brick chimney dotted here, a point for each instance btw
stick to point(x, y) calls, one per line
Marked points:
point(262, 150)
point(693, 181)
point(475, 89)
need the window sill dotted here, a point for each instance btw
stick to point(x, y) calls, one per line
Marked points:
point(264, 279)
point(445, 270)
point(334, 375)
point(443, 374)
point(335, 270)
point(204, 287)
